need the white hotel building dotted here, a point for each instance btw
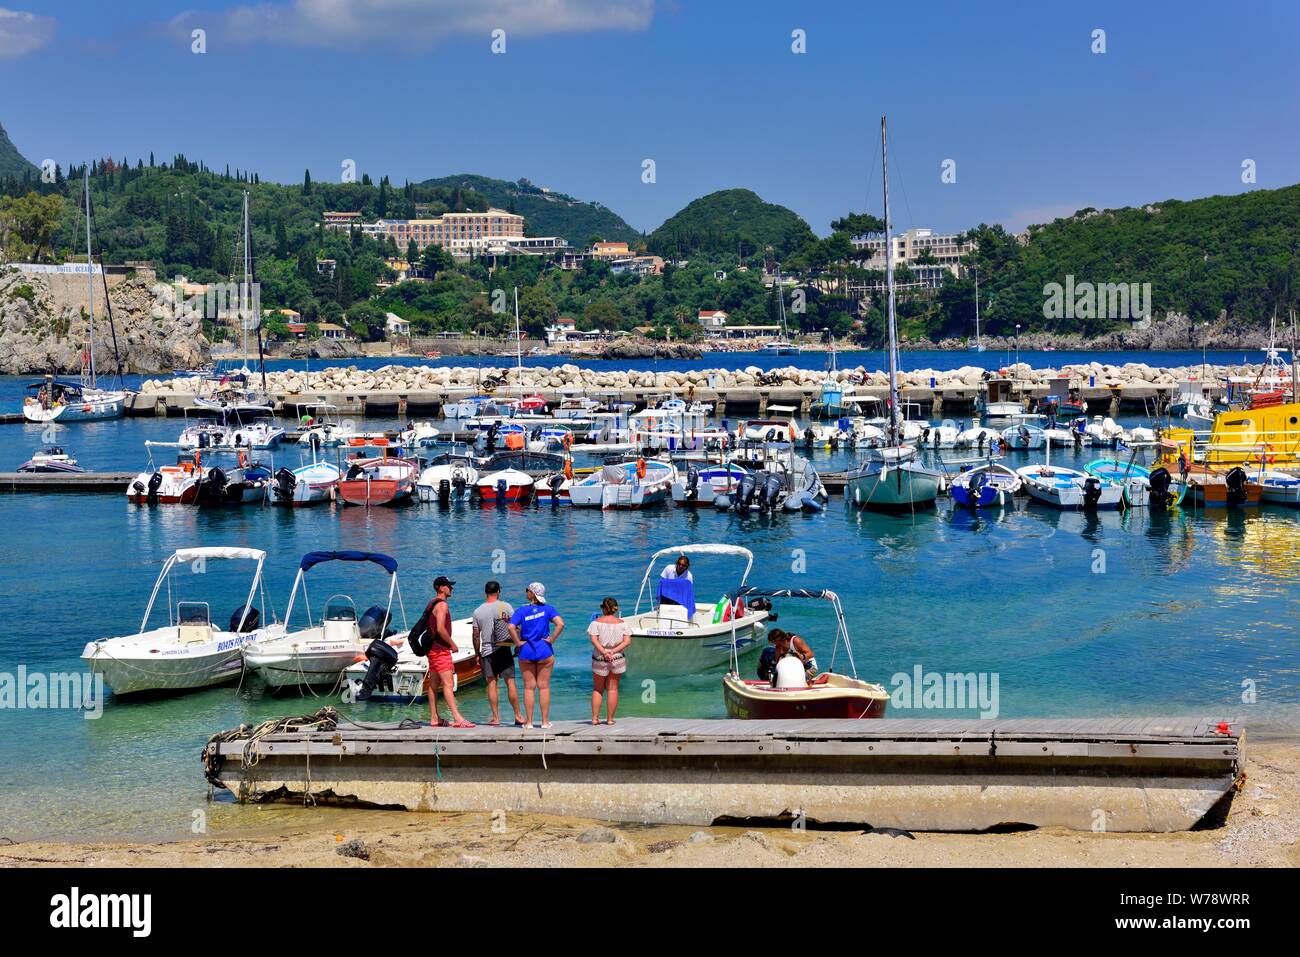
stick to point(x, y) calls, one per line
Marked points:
point(461, 234)
point(908, 247)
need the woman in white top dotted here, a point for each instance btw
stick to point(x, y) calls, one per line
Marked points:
point(610, 636)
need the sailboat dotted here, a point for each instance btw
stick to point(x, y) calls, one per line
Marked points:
point(890, 478)
point(830, 405)
point(230, 394)
point(62, 400)
point(782, 346)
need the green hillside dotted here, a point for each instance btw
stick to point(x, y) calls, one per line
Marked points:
point(546, 213)
point(730, 222)
point(13, 163)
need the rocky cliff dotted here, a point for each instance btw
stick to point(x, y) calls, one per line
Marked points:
point(43, 328)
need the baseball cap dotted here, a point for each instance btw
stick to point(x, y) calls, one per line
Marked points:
point(442, 580)
point(538, 589)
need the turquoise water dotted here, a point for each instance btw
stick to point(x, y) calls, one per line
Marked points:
point(1188, 608)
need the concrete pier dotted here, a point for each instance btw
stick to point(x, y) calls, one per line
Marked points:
point(1140, 774)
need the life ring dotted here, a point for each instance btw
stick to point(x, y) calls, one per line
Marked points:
point(640, 468)
point(568, 439)
point(722, 611)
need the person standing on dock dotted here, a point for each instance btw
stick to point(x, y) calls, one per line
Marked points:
point(442, 671)
point(610, 637)
point(530, 628)
point(496, 651)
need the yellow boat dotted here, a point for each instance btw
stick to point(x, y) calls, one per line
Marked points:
point(1247, 437)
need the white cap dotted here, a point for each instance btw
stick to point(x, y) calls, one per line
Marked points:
point(538, 589)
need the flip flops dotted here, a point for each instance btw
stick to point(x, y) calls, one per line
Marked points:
point(462, 724)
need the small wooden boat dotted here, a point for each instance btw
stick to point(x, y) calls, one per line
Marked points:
point(1222, 488)
point(789, 693)
point(1279, 488)
point(383, 480)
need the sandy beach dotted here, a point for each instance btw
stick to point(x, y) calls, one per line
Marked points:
point(1262, 830)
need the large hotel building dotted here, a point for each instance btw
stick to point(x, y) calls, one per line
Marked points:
point(461, 234)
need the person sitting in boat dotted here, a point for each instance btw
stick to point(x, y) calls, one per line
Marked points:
point(780, 644)
point(678, 569)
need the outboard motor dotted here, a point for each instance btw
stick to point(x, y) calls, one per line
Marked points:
point(458, 483)
point(692, 483)
point(976, 488)
point(251, 622)
point(771, 492)
point(1235, 480)
point(745, 492)
point(213, 488)
point(374, 623)
point(1091, 493)
point(155, 483)
point(286, 483)
point(556, 483)
point(491, 443)
point(383, 659)
point(205, 439)
point(760, 604)
point(354, 472)
point(501, 490)
point(444, 492)
point(1159, 495)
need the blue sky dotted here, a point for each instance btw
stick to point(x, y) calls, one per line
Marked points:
point(1038, 125)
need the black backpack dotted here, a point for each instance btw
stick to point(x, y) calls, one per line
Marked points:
point(420, 638)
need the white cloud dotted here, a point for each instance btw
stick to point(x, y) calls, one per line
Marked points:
point(413, 23)
point(22, 33)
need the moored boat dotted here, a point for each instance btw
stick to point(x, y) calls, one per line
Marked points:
point(789, 693)
point(189, 651)
point(505, 486)
point(51, 459)
point(985, 486)
point(387, 479)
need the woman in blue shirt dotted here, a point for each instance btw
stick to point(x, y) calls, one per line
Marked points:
point(530, 627)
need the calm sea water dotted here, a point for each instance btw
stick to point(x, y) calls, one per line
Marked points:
point(1076, 615)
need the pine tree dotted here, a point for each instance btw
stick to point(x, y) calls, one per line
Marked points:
point(306, 183)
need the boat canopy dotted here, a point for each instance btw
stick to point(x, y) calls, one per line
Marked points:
point(311, 559)
point(61, 383)
point(219, 551)
point(755, 591)
point(695, 549)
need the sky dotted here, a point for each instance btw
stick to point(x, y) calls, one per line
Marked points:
point(1031, 111)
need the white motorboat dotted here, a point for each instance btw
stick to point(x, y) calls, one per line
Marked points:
point(305, 485)
point(1002, 410)
point(1069, 488)
point(321, 426)
point(167, 484)
point(927, 436)
point(448, 478)
point(189, 651)
point(1279, 488)
point(977, 437)
point(1103, 432)
point(1024, 437)
point(261, 433)
point(634, 484)
point(419, 435)
point(1061, 438)
point(677, 635)
point(204, 435)
point(317, 654)
point(701, 486)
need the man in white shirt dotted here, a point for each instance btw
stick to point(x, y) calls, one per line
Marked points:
point(679, 569)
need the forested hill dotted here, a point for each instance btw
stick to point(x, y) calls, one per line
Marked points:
point(546, 213)
point(1235, 254)
point(730, 222)
point(13, 163)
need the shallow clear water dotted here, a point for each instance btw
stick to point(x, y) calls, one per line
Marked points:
point(1191, 611)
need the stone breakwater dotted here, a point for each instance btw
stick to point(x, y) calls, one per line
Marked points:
point(401, 378)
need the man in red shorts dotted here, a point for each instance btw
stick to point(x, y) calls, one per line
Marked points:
point(442, 673)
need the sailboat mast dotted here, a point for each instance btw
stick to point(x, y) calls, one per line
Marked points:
point(780, 298)
point(88, 374)
point(978, 345)
point(519, 347)
point(895, 429)
point(246, 292)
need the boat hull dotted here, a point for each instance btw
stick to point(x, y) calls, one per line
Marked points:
point(374, 491)
point(759, 701)
point(171, 669)
point(900, 488)
point(663, 647)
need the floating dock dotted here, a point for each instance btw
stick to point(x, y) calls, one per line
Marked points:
point(1115, 774)
point(65, 481)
